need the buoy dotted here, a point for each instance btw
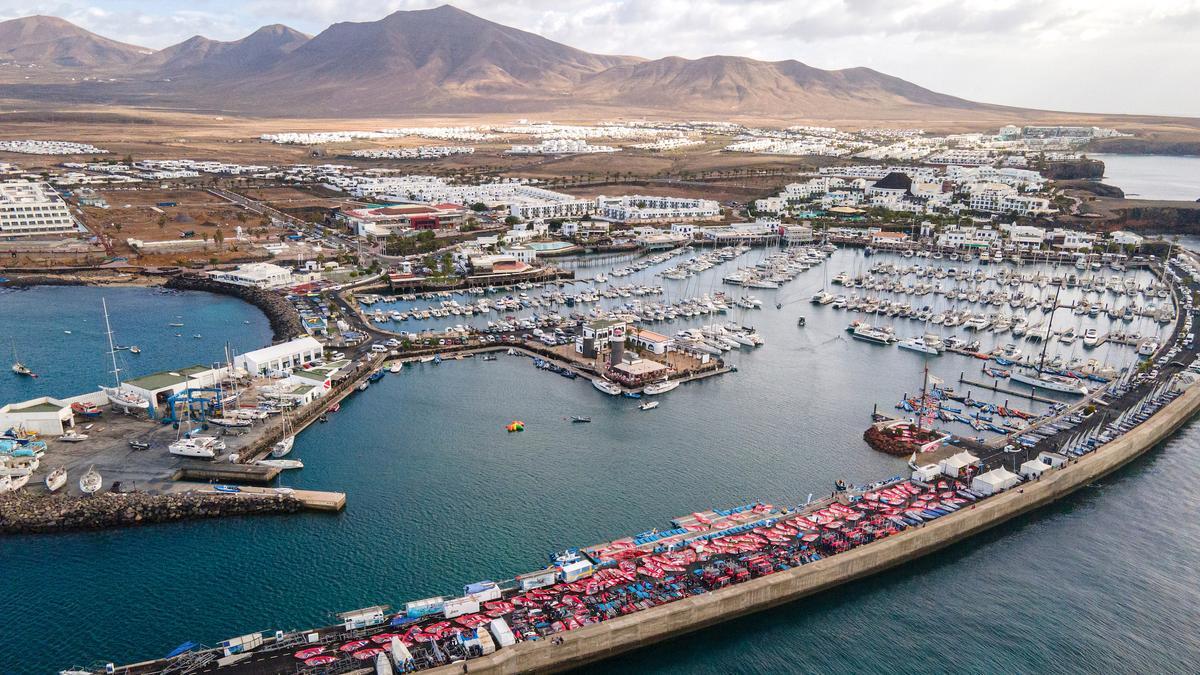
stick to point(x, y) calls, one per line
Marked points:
point(516, 425)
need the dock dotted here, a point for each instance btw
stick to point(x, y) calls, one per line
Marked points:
point(1031, 395)
point(227, 473)
point(313, 500)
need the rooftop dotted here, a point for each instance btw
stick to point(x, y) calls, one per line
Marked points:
point(170, 378)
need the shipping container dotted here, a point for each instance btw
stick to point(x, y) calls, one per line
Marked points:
point(424, 607)
point(482, 591)
point(459, 607)
point(241, 644)
point(575, 571)
point(537, 579)
point(503, 634)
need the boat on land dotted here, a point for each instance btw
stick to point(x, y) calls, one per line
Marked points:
point(89, 410)
point(56, 479)
point(203, 447)
point(229, 422)
point(72, 436)
point(606, 386)
point(282, 463)
point(648, 405)
point(91, 481)
point(116, 395)
point(660, 387)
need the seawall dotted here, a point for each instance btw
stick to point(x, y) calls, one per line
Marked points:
point(603, 640)
point(25, 513)
point(285, 320)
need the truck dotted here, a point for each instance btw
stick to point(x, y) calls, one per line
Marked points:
point(503, 634)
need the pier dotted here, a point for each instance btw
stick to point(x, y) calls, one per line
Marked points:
point(994, 386)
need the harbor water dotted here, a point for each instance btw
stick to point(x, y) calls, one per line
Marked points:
point(440, 495)
point(1153, 176)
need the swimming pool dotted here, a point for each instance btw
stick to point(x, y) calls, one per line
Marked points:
point(549, 245)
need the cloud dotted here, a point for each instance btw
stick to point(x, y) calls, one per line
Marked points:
point(1061, 54)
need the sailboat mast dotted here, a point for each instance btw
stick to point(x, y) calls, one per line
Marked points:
point(924, 387)
point(112, 350)
point(1049, 326)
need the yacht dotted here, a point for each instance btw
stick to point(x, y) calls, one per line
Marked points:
point(879, 336)
point(283, 446)
point(660, 387)
point(204, 447)
point(1091, 337)
point(396, 367)
point(20, 368)
point(917, 344)
point(282, 463)
point(1066, 385)
point(90, 482)
point(606, 386)
point(648, 405)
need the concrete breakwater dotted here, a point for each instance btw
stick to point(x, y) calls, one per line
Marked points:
point(285, 320)
point(640, 629)
point(24, 513)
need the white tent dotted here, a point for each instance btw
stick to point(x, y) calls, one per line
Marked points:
point(926, 472)
point(953, 465)
point(1051, 458)
point(996, 480)
point(1034, 468)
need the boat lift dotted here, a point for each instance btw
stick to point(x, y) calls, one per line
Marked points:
point(198, 408)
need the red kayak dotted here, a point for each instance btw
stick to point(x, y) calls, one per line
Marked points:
point(304, 654)
point(353, 646)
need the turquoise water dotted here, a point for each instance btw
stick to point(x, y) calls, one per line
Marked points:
point(1153, 176)
point(549, 245)
point(35, 323)
point(440, 495)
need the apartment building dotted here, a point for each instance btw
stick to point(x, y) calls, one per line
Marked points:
point(29, 209)
point(650, 209)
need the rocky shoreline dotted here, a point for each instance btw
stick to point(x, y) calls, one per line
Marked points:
point(285, 320)
point(24, 513)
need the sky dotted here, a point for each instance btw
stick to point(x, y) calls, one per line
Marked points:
point(1105, 56)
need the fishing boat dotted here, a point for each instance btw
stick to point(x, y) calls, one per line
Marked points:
point(660, 387)
point(203, 447)
point(282, 463)
point(606, 386)
point(376, 376)
point(91, 481)
point(648, 405)
point(72, 436)
point(116, 395)
point(56, 479)
point(88, 410)
point(175, 325)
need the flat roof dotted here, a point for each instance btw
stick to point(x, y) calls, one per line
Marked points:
point(640, 367)
point(283, 349)
point(44, 406)
point(319, 376)
point(170, 378)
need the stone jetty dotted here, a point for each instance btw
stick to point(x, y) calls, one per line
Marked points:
point(285, 320)
point(25, 513)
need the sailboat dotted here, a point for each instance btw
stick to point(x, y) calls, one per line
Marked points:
point(284, 445)
point(56, 479)
point(20, 368)
point(1043, 380)
point(91, 481)
point(116, 395)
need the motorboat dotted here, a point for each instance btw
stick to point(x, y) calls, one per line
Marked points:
point(396, 367)
point(135, 350)
point(282, 463)
point(606, 386)
point(72, 436)
point(1091, 337)
point(56, 479)
point(204, 447)
point(580, 420)
point(91, 481)
point(648, 405)
point(660, 387)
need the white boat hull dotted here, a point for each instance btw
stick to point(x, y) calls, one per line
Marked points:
point(660, 388)
point(56, 479)
point(606, 387)
point(283, 447)
point(1067, 387)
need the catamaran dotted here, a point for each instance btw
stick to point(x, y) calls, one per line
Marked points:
point(116, 395)
point(204, 447)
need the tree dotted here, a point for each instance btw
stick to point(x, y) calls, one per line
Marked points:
point(162, 221)
point(479, 207)
point(219, 237)
point(511, 220)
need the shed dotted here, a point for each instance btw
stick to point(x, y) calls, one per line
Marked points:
point(926, 473)
point(44, 416)
point(1052, 458)
point(996, 480)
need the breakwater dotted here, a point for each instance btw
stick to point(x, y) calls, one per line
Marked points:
point(633, 631)
point(285, 320)
point(25, 513)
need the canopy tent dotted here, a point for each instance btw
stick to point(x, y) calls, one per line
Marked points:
point(926, 473)
point(954, 464)
point(996, 480)
point(1034, 468)
point(1052, 458)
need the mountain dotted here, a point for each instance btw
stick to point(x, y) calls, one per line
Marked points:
point(739, 85)
point(212, 58)
point(445, 61)
point(51, 42)
point(418, 60)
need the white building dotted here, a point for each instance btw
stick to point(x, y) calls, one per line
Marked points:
point(258, 275)
point(1000, 198)
point(29, 209)
point(1025, 236)
point(280, 358)
point(520, 253)
point(647, 208)
point(1123, 238)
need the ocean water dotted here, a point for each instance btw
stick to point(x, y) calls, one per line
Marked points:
point(35, 324)
point(440, 495)
point(1153, 176)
